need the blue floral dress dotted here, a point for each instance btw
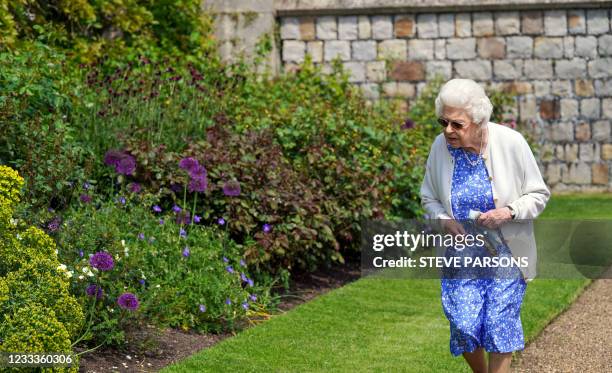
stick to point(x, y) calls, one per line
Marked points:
point(483, 310)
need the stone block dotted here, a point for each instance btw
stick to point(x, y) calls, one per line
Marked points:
point(586, 46)
point(546, 47)
point(308, 30)
point(532, 23)
point(458, 49)
point(405, 26)
point(327, 28)
point(600, 68)
point(347, 28)
point(394, 48)
point(315, 49)
point(334, 48)
point(474, 69)
point(364, 50)
point(550, 109)
point(491, 48)
point(519, 47)
point(375, 71)
point(443, 68)
point(293, 51)
point(576, 23)
point(538, 69)
point(555, 22)
point(601, 130)
point(600, 173)
point(589, 108)
point(382, 27)
point(570, 69)
point(364, 27)
point(606, 152)
point(482, 24)
point(290, 28)
point(427, 25)
point(507, 23)
point(463, 25)
point(356, 71)
point(583, 132)
point(597, 21)
point(569, 108)
point(584, 88)
point(407, 71)
point(507, 69)
point(420, 49)
point(446, 25)
point(605, 45)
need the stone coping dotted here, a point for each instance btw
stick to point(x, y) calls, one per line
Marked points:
point(345, 7)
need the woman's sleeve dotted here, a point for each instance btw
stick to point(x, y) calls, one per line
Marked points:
point(429, 198)
point(535, 193)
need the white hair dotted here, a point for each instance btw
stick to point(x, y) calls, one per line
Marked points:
point(468, 95)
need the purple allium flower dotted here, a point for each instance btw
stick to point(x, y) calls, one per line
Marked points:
point(186, 252)
point(176, 209)
point(112, 157)
point(142, 281)
point(126, 166)
point(250, 282)
point(242, 263)
point(94, 290)
point(202, 308)
point(156, 208)
point(408, 124)
point(182, 233)
point(161, 221)
point(188, 164)
point(267, 228)
point(141, 236)
point(85, 198)
point(231, 188)
point(102, 261)
point(135, 188)
point(220, 221)
point(198, 184)
point(198, 172)
point(197, 218)
point(54, 224)
point(243, 277)
point(253, 297)
point(225, 259)
point(228, 301)
point(128, 301)
point(230, 269)
point(245, 305)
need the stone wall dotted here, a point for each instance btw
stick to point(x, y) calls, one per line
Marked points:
point(556, 57)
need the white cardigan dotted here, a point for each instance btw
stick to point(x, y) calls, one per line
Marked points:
point(515, 179)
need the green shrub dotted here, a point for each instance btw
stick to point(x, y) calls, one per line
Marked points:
point(151, 262)
point(38, 313)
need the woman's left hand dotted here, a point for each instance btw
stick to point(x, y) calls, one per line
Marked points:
point(494, 218)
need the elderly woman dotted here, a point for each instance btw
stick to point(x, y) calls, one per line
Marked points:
point(482, 166)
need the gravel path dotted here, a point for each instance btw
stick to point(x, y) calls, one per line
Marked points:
point(578, 340)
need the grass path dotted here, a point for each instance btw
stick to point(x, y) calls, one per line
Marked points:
point(379, 325)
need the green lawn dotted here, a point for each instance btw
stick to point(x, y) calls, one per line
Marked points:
point(381, 325)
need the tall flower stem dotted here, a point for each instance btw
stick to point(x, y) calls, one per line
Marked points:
point(195, 199)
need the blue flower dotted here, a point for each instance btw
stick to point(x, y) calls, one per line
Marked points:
point(81, 254)
point(250, 282)
point(161, 221)
point(253, 297)
point(141, 236)
point(157, 208)
point(245, 305)
point(142, 281)
point(122, 200)
point(182, 233)
point(243, 277)
point(221, 221)
point(242, 263)
point(176, 208)
point(228, 301)
point(229, 269)
point(225, 259)
point(186, 252)
point(202, 308)
point(197, 218)
point(267, 228)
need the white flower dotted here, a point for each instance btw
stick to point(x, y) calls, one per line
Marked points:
point(62, 267)
point(81, 277)
point(14, 221)
point(56, 252)
point(69, 273)
point(158, 285)
point(123, 243)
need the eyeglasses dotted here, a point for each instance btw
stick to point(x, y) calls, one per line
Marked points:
point(456, 125)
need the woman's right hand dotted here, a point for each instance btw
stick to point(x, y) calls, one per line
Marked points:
point(453, 227)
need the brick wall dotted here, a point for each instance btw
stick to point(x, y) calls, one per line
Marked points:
point(558, 61)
